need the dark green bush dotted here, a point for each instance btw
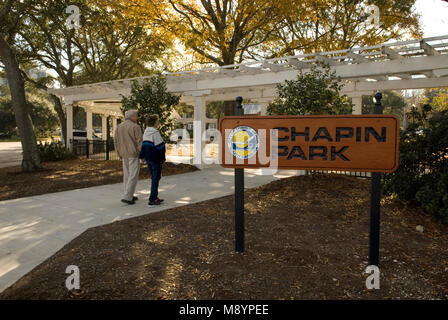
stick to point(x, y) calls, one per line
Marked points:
point(315, 92)
point(151, 97)
point(54, 151)
point(423, 172)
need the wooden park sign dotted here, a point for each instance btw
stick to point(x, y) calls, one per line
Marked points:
point(345, 142)
point(339, 143)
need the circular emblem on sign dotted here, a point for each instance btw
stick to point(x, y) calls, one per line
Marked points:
point(243, 142)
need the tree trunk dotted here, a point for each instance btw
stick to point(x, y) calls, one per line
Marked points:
point(31, 158)
point(57, 106)
point(61, 115)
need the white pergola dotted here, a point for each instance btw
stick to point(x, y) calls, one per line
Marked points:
point(414, 64)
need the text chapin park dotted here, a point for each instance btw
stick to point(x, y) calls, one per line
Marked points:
point(352, 142)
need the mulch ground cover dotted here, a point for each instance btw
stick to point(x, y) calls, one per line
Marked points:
point(69, 175)
point(307, 238)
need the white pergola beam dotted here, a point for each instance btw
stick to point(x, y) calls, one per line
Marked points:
point(258, 79)
point(379, 78)
point(250, 70)
point(274, 67)
point(229, 72)
point(378, 69)
point(403, 76)
point(198, 93)
point(357, 57)
point(331, 62)
point(252, 94)
point(211, 75)
point(429, 50)
point(440, 73)
point(391, 54)
point(428, 74)
point(299, 64)
point(87, 95)
point(372, 86)
point(205, 74)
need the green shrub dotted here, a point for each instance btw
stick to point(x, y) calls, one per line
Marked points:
point(423, 171)
point(54, 151)
point(151, 97)
point(315, 92)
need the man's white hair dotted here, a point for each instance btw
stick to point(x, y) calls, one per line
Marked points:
point(130, 113)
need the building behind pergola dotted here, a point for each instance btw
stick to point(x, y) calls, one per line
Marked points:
point(414, 64)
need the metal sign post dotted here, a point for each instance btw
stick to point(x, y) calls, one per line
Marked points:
point(375, 199)
point(239, 193)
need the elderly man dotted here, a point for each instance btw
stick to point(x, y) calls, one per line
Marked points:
point(128, 141)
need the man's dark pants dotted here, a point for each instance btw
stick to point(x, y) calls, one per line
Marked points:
point(155, 169)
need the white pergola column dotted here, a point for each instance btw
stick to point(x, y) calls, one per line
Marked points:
point(357, 101)
point(89, 121)
point(69, 117)
point(89, 129)
point(114, 124)
point(263, 109)
point(264, 102)
point(198, 130)
point(199, 125)
point(104, 126)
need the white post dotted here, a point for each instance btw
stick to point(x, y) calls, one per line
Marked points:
point(357, 101)
point(114, 124)
point(89, 130)
point(69, 116)
point(198, 130)
point(264, 108)
point(104, 127)
point(264, 102)
point(89, 116)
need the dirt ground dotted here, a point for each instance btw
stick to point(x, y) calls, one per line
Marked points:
point(306, 238)
point(69, 175)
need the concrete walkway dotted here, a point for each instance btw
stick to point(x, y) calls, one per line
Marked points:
point(10, 154)
point(33, 229)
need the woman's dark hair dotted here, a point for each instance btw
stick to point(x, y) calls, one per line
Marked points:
point(151, 120)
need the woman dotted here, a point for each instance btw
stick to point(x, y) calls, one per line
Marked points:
point(153, 151)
